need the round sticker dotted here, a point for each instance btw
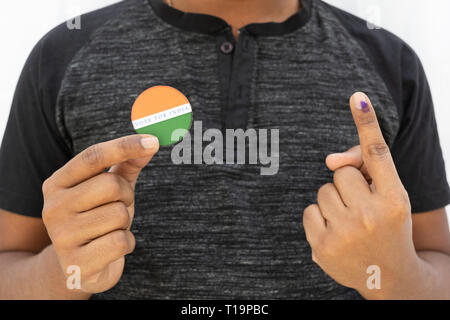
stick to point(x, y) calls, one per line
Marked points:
point(160, 111)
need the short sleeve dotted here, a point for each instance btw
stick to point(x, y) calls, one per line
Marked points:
point(416, 150)
point(32, 148)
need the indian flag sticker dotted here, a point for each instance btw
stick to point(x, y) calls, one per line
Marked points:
point(160, 111)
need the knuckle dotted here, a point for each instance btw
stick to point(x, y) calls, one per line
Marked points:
point(399, 200)
point(92, 155)
point(46, 219)
point(47, 186)
point(46, 213)
point(325, 189)
point(49, 212)
point(401, 208)
point(121, 215)
point(404, 198)
point(309, 210)
point(114, 183)
point(131, 242)
point(128, 144)
point(120, 240)
point(307, 215)
point(368, 119)
point(119, 189)
point(341, 173)
point(378, 151)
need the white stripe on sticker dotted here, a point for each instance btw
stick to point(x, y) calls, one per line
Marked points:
point(162, 116)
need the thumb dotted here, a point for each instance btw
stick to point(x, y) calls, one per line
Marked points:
point(131, 169)
point(352, 157)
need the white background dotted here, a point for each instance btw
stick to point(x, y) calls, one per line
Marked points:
point(423, 24)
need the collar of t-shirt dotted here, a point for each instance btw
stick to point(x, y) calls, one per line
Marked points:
point(208, 24)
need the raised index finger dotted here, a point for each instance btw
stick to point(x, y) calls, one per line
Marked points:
point(375, 152)
point(99, 157)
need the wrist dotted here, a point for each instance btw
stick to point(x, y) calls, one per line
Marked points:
point(400, 282)
point(54, 282)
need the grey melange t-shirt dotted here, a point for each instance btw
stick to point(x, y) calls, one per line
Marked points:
point(221, 231)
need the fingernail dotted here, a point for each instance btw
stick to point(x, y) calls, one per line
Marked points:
point(149, 142)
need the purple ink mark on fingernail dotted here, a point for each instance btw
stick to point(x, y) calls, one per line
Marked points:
point(365, 107)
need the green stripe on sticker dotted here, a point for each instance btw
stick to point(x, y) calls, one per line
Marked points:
point(164, 129)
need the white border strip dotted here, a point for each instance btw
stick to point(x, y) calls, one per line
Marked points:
point(162, 116)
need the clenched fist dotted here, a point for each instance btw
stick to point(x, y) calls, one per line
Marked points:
point(363, 218)
point(88, 212)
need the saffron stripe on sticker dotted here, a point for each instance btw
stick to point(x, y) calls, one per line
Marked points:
point(162, 116)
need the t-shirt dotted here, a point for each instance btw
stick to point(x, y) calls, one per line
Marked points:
point(221, 230)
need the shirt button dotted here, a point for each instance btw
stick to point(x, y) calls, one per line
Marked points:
point(227, 47)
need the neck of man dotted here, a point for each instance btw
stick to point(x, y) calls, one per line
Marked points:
point(239, 13)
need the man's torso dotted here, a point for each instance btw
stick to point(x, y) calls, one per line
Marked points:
point(224, 230)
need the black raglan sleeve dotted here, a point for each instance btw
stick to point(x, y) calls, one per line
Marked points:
point(32, 149)
point(416, 151)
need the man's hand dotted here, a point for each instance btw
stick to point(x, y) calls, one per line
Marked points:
point(363, 219)
point(88, 212)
